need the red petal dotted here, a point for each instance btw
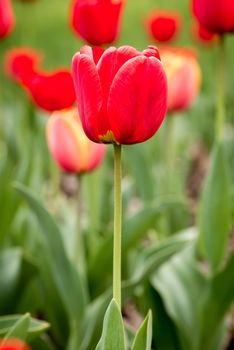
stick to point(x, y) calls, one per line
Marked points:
point(94, 52)
point(52, 91)
point(109, 64)
point(88, 92)
point(138, 100)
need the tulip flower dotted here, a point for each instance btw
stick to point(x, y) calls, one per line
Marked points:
point(183, 75)
point(217, 16)
point(202, 34)
point(21, 64)
point(97, 21)
point(13, 344)
point(123, 98)
point(163, 26)
point(52, 91)
point(68, 144)
point(7, 20)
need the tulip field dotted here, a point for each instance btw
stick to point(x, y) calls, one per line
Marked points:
point(116, 175)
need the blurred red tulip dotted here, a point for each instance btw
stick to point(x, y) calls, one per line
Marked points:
point(203, 35)
point(68, 144)
point(7, 20)
point(21, 63)
point(216, 16)
point(122, 99)
point(52, 91)
point(13, 344)
point(97, 21)
point(183, 75)
point(163, 26)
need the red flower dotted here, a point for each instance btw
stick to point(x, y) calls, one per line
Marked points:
point(216, 16)
point(13, 344)
point(183, 75)
point(52, 91)
point(21, 63)
point(163, 26)
point(123, 98)
point(97, 22)
point(68, 144)
point(7, 20)
point(202, 34)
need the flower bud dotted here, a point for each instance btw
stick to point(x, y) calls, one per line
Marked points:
point(68, 144)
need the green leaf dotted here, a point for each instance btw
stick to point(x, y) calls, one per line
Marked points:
point(182, 287)
point(35, 327)
point(10, 267)
point(143, 337)
point(66, 277)
point(20, 329)
point(113, 337)
point(216, 303)
point(215, 211)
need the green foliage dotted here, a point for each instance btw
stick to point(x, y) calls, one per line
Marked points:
point(113, 337)
point(143, 337)
point(216, 210)
point(17, 326)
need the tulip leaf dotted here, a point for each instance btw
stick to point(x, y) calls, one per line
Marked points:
point(143, 338)
point(13, 323)
point(66, 277)
point(182, 286)
point(215, 211)
point(216, 303)
point(20, 328)
point(113, 337)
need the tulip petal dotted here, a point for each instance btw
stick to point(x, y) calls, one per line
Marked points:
point(94, 52)
point(109, 64)
point(138, 100)
point(88, 92)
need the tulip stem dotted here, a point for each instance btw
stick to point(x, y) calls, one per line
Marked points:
point(220, 118)
point(117, 226)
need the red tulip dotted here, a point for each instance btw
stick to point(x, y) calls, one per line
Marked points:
point(203, 35)
point(13, 344)
point(97, 21)
point(184, 77)
point(68, 144)
point(123, 98)
point(216, 16)
point(52, 91)
point(7, 20)
point(163, 26)
point(22, 63)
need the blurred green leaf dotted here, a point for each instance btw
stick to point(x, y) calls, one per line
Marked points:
point(10, 268)
point(20, 328)
point(182, 286)
point(151, 258)
point(143, 337)
point(137, 158)
point(216, 302)
point(35, 327)
point(215, 211)
point(113, 337)
point(66, 278)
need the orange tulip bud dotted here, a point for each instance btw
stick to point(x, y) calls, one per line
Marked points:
point(183, 75)
point(68, 144)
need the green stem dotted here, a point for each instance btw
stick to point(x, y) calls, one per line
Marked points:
point(117, 227)
point(220, 118)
